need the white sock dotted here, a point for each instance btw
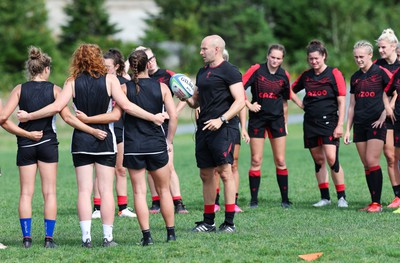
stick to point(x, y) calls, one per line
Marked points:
point(85, 228)
point(107, 231)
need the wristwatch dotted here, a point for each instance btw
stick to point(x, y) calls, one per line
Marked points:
point(223, 119)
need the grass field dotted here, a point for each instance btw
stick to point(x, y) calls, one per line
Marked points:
point(266, 234)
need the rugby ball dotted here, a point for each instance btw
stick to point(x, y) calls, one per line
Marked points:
point(182, 86)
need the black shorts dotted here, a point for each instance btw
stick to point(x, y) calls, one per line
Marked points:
point(81, 159)
point(316, 141)
point(150, 162)
point(363, 133)
point(389, 124)
point(118, 134)
point(397, 134)
point(46, 152)
point(215, 148)
point(260, 128)
point(323, 127)
point(236, 136)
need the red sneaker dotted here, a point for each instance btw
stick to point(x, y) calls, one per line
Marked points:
point(374, 208)
point(365, 208)
point(395, 203)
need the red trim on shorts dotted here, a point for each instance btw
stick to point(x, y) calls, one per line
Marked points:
point(254, 173)
point(97, 201)
point(340, 187)
point(375, 168)
point(122, 200)
point(209, 209)
point(155, 198)
point(323, 185)
point(283, 172)
point(268, 131)
point(178, 197)
point(367, 172)
point(229, 208)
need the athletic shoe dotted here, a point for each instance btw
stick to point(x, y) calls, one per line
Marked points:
point(171, 238)
point(180, 208)
point(2, 246)
point(107, 243)
point(127, 212)
point(154, 209)
point(395, 203)
point(224, 227)
point(397, 211)
point(238, 209)
point(203, 227)
point(49, 243)
point(342, 203)
point(322, 202)
point(27, 242)
point(217, 208)
point(146, 242)
point(96, 214)
point(364, 208)
point(253, 204)
point(286, 204)
point(87, 243)
point(374, 208)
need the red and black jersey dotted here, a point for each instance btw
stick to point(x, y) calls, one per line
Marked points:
point(268, 90)
point(394, 85)
point(368, 88)
point(321, 92)
point(391, 67)
point(163, 76)
point(213, 85)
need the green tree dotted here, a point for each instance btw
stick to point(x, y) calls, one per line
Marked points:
point(240, 23)
point(88, 21)
point(22, 24)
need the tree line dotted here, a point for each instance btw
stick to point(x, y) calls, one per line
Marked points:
point(248, 27)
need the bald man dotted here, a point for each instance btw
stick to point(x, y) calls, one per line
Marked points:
point(220, 96)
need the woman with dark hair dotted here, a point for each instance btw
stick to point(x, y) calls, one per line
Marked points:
point(146, 147)
point(91, 89)
point(324, 106)
point(40, 153)
point(270, 89)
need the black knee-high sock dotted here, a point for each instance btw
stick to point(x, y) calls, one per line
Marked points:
point(368, 178)
point(396, 190)
point(376, 177)
point(254, 181)
point(282, 178)
point(324, 190)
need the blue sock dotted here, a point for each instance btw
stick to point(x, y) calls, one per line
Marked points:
point(26, 226)
point(49, 227)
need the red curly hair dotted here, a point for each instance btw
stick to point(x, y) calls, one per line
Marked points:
point(89, 58)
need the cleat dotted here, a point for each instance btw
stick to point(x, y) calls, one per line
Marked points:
point(253, 204)
point(146, 242)
point(364, 208)
point(342, 203)
point(87, 243)
point(96, 214)
point(374, 208)
point(171, 238)
point(286, 204)
point(322, 202)
point(49, 243)
point(127, 212)
point(395, 203)
point(107, 243)
point(180, 208)
point(397, 211)
point(238, 209)
point(204, 227)
point(27, 242)
point(154, 209)
point(217, 208)
point(228, 228)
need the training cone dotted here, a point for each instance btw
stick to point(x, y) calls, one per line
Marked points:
point(311, 257)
